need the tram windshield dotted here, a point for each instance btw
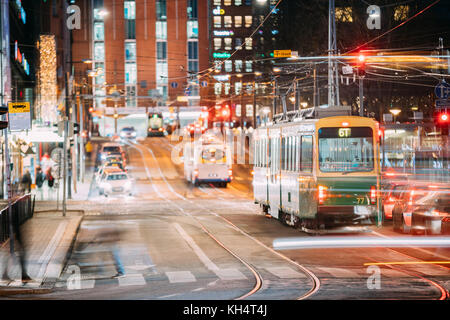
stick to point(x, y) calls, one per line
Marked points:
point(213, 154)
point(348, 149)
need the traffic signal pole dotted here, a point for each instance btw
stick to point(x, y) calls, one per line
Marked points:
point(361, 94)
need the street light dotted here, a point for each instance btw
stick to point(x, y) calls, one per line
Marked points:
point(395, 113)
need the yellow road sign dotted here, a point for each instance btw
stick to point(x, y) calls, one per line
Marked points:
point(282, 53)
point(18, 107)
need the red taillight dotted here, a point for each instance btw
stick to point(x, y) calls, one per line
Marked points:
point(230, 172)
point(373, 195)
point(196, 172)
point(391, 199)
point(322, 194)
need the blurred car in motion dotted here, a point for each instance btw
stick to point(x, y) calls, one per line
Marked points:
point(392, 192)
point(115, 183)
point(115, 157)
point(128, 133)
point(108, 149)
point(103, 170)
point(422, 209)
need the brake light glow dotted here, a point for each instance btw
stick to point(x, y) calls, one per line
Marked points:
point(373, 195)
point(230, 172)
point(322, 193)
point(196, 172)
point(411, 195)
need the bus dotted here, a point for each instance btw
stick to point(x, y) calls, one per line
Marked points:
point(208, 160)
point(156, 125)
point(319, 175)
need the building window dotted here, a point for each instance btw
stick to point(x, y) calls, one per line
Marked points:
point(192, 50)
point(217, 88)
point(228, 43)
point(217, 43)
point(217, 2)
point(217, 22)
point(130, 73)
point(227, 87)
point(248, 66)
point(161, 30)
point(237, 2)
point(401, 13)
point(228, 66)
point(238, 43)
point(237, 21)
point(192, 10)
point(237, 87)
point(227, 22)
point(192, 29)
point(161, 13)
point(129, 10)
point(130, 50)
point(218, 65)
point(227, 2)
point(248, 43)
point(99, 51)
point(99, 31)
point(193, 66)
point(100, 78)
point(131, 96)
point(161, 72)
point(130, 29)
point(344, 14)
point(161, 50)
point(248, 21)
point(238, 65)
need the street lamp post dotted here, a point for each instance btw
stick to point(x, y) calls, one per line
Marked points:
point(395, 113)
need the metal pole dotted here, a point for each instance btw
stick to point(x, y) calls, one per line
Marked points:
point(361, 96)
point(66, 133)
point(82, 162)
point(254, 104)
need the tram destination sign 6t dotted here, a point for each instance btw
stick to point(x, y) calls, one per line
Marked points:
point(19, 116)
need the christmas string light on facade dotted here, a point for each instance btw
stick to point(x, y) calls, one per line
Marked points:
point(47, 89)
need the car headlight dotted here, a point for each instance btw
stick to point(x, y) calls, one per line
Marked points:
point(103, 156)
point(133, 134)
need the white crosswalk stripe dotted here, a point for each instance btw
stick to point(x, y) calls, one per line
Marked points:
point(340, 272)
point(285, 273)
point(180, 276)
point(132, 280)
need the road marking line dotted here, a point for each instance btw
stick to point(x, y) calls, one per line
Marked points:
point(132, 280)
point(340, 272)
point(180, 276)
point(230, 274)
point(285, 273)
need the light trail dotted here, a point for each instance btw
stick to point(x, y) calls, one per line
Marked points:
point(404, 263)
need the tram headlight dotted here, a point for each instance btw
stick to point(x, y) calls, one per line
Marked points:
point(373, 195)
point(322, 193)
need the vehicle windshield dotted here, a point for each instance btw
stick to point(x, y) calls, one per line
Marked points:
point(128, 129)
point(117, 177)
point(348, 149)
point(111, 149)
point(210, 154)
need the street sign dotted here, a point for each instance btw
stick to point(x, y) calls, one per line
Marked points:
point(174, 85)
point(204, 83)
point(19, 116)
point(347, 70)
point(442, 90)
point(187, 91)
point(282, 53)
point(442, 104)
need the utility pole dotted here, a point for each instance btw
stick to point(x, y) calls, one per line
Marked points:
point(361, 94)
point(254, 104)
point(66, 133)
point(333, 83)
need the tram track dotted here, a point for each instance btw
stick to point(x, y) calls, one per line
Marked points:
point(258, 278)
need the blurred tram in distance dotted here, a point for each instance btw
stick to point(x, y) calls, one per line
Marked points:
point(208, 161)
point(156, 125)
point(320, 175)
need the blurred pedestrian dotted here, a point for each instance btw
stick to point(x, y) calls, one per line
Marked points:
point(19, 250)
point(50, 182)
point(40, 178)
point(111, 236)
point(26, 182)
point(89, 149)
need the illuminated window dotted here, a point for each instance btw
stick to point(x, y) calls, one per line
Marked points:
point(238, 21)
point(130, 73)
point(227, 87)
point(129, 10)
point(228, 43)
point(401, 13)
point(218, 65)
point(99, 31)
point(217, 43)
point(217, 2)
point(192, 29)
point(161, 30)
point(130, 50)
point(217, 22)
point(227, 22)
point(248, 66)
point(344, 14)
point(228, 65)
point(237, 87)
point(237, 2)
point(217, 88)
point(161, 72)
point(248, 21)
point(99, 51)
point(227, 2)
point(248, 43)
point(238, 65)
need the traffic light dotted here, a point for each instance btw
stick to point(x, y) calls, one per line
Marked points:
point(91, 109)
point(225, 112)
point(361, 64)
point(442, 121)
point(3, 124)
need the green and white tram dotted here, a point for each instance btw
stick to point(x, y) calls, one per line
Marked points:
point(319, 174)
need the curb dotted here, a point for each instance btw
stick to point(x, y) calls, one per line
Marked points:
point(7, 291)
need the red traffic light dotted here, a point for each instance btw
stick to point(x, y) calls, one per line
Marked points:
point(444, 118)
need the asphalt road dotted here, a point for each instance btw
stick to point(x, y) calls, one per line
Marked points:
point(177, 241)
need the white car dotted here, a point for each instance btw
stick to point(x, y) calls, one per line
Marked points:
point(110, 148)
point(115, 183)
point(103, 170)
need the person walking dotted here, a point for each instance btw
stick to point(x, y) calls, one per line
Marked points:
point(26, 182)
point(50, 182)
point(40, 178)
point(89, 149)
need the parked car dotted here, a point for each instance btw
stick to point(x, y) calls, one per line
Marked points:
point(115, 183)
point(422, 209)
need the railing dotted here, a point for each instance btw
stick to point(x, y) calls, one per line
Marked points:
point(22, 207)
